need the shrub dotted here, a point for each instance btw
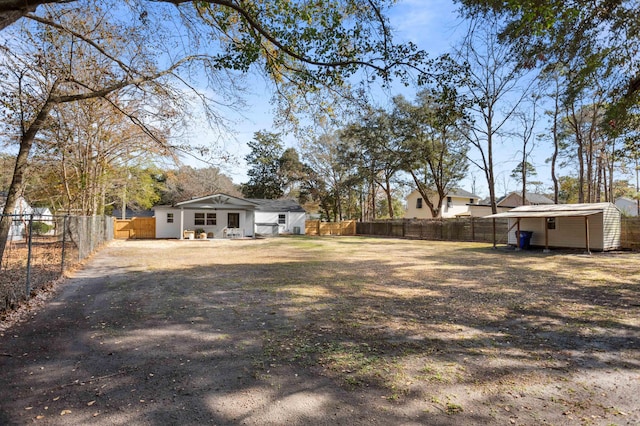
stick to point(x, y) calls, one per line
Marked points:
point(40, 228)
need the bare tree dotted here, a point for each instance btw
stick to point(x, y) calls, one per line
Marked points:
point(93, 50)
point(527, 118)
point(496, 88)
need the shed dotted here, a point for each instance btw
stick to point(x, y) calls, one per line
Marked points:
point(593, 226)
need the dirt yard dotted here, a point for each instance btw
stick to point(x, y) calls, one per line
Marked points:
point(335, 331)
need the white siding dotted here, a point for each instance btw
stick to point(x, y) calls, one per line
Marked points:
point(165, 229)
point(172, 230)
point(458, 207)
point(292, 220)
point(22, 211)
point(297, 221)
point(612, 228)
point(627, 206)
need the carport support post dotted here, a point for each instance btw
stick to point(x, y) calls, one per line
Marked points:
point(546, 235)
point(586, 233)
point(494, 233)
point(181, 223)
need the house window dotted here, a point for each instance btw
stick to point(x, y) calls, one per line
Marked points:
point(282, 219)
point(233, 220)
point(211, 219)
point(169, 217)
point(198, 219)
point(449, 202)
point(551, 223)
point(470, 200)
point(419, 203)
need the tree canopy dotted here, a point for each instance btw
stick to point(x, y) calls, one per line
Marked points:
point(588, 35)
point(141, 57)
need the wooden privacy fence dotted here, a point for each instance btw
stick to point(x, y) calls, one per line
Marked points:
point(472, 229)
point(467, 229)
point(316, 227)
point(630, 233)
point(138, 227)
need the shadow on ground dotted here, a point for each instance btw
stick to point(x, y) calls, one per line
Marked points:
point(315, 331)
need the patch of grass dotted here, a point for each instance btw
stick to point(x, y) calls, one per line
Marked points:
point(451, 408)
point(440, 373)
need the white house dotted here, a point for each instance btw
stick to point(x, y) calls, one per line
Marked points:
point(594, 226)
point(455, 204)
point(44, 215)
point(21, 212)
point(223, 216)
point(628, 207)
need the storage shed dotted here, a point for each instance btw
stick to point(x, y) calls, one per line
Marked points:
point(590, 226)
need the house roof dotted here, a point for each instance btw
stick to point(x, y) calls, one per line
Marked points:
point(555, 210)
point(457, 192)
point(218, 201)
point(224, 201)
point(626, 201)
point(42, 211)
point(532, 198)
point(284, 205)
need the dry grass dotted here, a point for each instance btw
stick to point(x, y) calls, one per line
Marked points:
point(443, 320)
point(425, 318)
point(454, 328)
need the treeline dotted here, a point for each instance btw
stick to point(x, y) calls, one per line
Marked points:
point(84, 188)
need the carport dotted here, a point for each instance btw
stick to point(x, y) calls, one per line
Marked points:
point(589, 226)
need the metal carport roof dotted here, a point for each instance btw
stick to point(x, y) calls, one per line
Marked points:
point(547, 213)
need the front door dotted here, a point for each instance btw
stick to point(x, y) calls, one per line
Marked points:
point(233, 220)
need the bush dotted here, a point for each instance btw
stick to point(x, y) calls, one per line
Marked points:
point(40, 228)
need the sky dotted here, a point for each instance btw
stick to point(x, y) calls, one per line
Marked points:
point(433, 26)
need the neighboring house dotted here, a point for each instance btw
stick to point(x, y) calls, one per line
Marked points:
point(594, 226)
point(44, 215)
point(456, 203)
point(21, 214)
point(222, 215)
point(628, 207)
point(508, 202)
point(514, 199)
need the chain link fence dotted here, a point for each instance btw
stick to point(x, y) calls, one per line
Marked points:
point(40, 248)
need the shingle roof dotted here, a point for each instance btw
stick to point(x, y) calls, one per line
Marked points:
point(286, 205)
point(532, 198)
point(538, 198)
point(457, 192)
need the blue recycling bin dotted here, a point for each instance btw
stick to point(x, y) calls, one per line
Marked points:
point(525, 239)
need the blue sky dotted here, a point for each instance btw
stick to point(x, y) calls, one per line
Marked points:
point(433, 26)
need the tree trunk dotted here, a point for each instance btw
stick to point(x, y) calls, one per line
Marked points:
point(17, 182)
point(580, 171)
point(554, 160)
point(389, 197)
